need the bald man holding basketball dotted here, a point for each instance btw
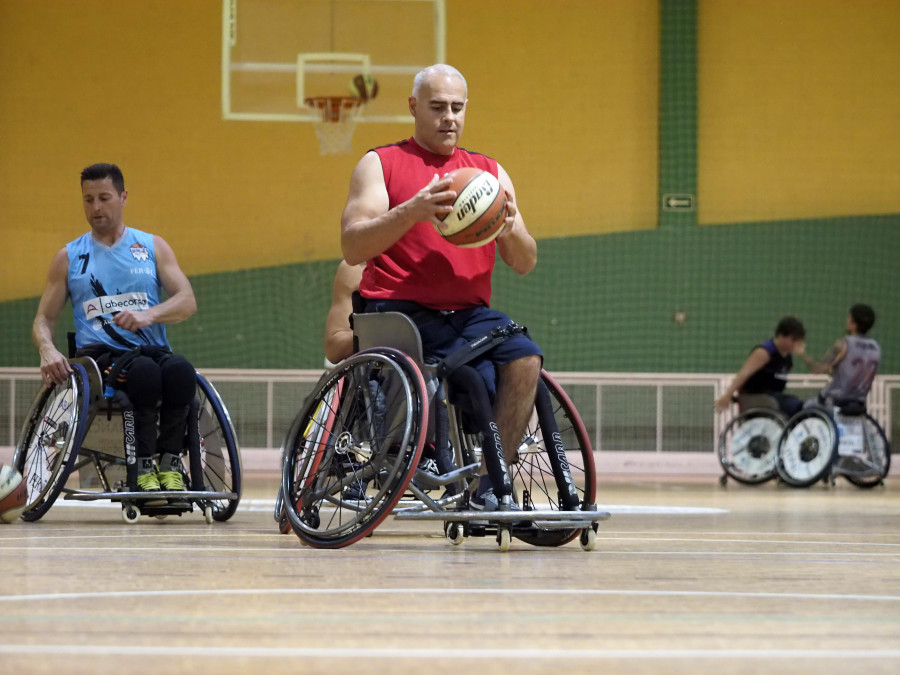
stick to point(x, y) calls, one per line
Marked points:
point(399, 194)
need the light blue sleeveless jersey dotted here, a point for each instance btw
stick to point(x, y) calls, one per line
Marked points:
point(105, 280)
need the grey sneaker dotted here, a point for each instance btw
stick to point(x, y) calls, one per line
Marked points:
point(484, 498)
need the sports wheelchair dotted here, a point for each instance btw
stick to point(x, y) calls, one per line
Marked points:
point(73, 428)
point(820, 444)
point(749, 443)
point(368, 420)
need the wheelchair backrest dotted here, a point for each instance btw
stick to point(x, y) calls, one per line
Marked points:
point(389, 329)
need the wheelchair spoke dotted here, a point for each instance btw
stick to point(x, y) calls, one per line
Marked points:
point(747, 448)
point(219, 454)
point(351, 449)
point(535, 484)
point(48, 447)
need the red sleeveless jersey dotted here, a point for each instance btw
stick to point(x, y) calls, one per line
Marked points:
point(422, 266)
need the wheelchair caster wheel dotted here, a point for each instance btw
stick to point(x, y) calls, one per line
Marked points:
point(588, 539)
point(723, 480)
point(160, 517)
point(503, 539)
point(284, 525)
point(131, 514)
point(208, 515)
point(454, 533)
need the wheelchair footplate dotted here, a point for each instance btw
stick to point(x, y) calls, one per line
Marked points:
point(545, 519)
point(134, 502)
point(536, 526)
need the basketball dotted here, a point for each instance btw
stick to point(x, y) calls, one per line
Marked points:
point(479, 211)
point(364, 87)
point(13, 494)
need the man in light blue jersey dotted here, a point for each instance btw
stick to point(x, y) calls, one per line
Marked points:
point(115, 276)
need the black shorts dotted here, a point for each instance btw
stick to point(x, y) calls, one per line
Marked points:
point(444, 332)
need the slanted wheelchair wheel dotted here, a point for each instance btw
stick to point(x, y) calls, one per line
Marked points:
point(868, 468)
point(749, 445)
point(807, 448)
point(219, 453)
point(50, 439)
point(353, 448)
point(534, 484)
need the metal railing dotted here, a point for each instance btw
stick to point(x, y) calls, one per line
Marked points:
point(665, 413)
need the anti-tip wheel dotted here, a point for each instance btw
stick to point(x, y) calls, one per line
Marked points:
point(588, 539)
point(454, 533)
point(208, 515)
point(503, 539)
point(131, 514)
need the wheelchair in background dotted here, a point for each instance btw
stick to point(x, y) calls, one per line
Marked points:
point(367, 423)
point(819, 443)
point(748, 445)
point(72, 433)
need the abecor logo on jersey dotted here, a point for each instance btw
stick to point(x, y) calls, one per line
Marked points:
point(108, 304)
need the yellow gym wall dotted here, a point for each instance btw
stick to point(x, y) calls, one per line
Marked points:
point(563, 94)
point(799, 109)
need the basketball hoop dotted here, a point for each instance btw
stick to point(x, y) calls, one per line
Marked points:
point(339, 115)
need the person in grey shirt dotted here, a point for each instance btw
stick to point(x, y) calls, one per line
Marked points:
point(852, 362)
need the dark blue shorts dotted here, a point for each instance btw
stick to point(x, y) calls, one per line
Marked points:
point(444, 332)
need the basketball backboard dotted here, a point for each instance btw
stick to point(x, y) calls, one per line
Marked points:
point(276, 54)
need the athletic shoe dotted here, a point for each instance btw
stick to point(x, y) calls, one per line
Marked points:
point(486, 501)
point(170, 478)
point(172, 481)
point(149, 482)
point(428, 466)
point(484, 498)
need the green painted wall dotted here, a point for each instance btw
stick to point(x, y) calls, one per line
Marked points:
point(596, 303)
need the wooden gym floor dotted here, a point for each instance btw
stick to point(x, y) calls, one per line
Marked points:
point(687, 577)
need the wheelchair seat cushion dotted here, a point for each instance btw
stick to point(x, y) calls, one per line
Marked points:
point(851, 408)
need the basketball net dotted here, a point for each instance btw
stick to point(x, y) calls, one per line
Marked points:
point(338, 117)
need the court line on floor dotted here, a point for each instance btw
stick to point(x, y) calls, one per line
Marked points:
point(581, 592)
point(812, 557)
point(256, 505)
point(602, 537)
point(419, 653)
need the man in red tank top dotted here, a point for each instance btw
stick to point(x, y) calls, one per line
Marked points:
point(398, 195)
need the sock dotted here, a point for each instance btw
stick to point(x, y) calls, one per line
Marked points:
point(145, 465)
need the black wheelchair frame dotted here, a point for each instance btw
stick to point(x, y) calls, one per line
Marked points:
point(748, 446)
point(820, 444)
point(350, 430)
point(72, 428)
